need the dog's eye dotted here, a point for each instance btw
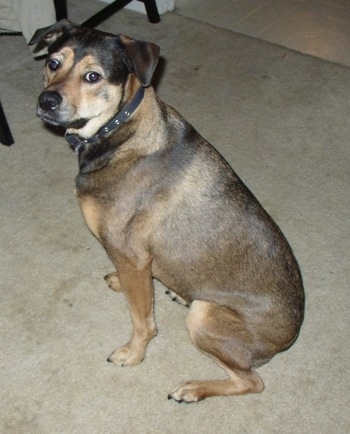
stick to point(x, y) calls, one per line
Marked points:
point(92, 77)
point(53, 64)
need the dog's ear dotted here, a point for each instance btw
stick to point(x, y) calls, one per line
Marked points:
point(143, 57)
point(48, 35)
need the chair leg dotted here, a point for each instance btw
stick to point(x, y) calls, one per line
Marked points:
point(105, 13)
point(61, 9)
point(152, 11)
point(115, 6)
point(5, 132)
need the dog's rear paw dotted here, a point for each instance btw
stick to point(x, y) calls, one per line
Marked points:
point(176, 297)
point(187, 392)
point(113, 282)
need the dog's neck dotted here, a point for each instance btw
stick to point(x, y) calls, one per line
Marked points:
point(78, 143)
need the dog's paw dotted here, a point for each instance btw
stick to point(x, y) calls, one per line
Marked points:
point(127, 355)
point(113, 282)
point(187, 392)
point(176, 297)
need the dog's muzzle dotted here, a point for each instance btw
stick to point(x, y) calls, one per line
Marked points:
point(51, 110)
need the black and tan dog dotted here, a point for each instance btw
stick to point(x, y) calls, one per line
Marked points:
point(166, 205)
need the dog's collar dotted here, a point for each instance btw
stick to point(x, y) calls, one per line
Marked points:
point(78, 143)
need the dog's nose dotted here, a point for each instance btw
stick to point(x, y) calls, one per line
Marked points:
point(49, 101)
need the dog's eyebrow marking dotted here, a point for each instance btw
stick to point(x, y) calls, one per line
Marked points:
point(92, 65)
point(89, 63)
point(66, 53)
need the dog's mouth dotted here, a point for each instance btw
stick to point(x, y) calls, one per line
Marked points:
point(52, 119)
point(48, 118)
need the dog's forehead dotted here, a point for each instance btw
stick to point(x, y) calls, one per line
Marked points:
point(105, 48)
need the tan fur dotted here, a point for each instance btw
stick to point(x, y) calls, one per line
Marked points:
point(91, 213)
point(240, 381)
point(138, 288)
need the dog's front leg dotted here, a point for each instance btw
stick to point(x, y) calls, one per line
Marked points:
point(137, 285)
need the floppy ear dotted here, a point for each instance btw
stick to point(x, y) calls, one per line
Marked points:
point(48, 35)
point(143, 57)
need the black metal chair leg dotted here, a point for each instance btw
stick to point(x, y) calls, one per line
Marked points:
point(116, 5)
point(5, 132)
point(105, 13)
point(61, 9)
point(152, 11)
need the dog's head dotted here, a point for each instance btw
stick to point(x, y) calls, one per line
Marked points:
point(90, 74)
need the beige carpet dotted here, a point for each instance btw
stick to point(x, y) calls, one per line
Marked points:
point(282, 120)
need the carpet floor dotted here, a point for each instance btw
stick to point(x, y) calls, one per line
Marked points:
point(281, 119)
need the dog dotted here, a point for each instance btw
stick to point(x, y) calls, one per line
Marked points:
point(167, 206)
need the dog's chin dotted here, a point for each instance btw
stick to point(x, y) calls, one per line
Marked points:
point(51, 120)
point(76, 125)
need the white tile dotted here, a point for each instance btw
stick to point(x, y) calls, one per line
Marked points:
point(260, 19)
point(317, 27)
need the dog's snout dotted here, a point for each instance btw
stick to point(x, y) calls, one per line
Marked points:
point(49, 100)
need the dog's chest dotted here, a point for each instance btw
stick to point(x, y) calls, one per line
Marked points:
point(116, 205)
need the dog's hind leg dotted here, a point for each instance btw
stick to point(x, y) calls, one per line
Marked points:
point(220, 334)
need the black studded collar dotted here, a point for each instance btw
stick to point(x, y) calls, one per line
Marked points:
point(78, 143)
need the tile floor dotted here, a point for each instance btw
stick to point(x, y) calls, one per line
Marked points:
point(317, 27)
